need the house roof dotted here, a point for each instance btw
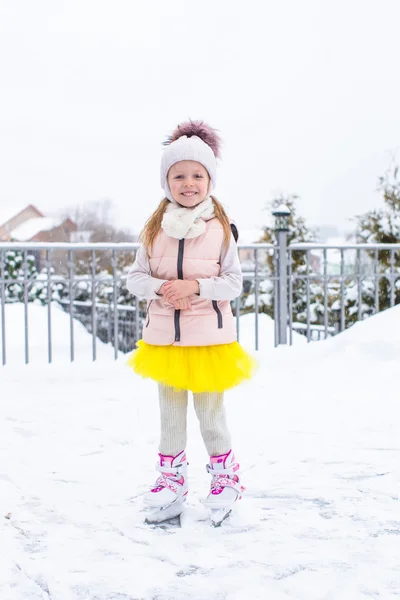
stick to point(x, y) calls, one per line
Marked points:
point(8, 211)
point(26, 231)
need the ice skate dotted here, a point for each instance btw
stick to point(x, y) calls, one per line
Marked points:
point(225, 487)
point(166, 498)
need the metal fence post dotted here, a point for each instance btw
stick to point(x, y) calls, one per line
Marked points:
point(282, 216)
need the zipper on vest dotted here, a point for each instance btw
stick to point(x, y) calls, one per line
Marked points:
point(219, 314)
point(177, 324)
point(177, 315)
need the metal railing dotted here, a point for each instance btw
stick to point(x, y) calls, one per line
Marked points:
point(315, 290)
point(371, 285)
point(120, 327)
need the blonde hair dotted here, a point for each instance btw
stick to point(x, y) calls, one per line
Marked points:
point(152, 226)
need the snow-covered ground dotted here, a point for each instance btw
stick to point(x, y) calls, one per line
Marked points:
point(318, 436)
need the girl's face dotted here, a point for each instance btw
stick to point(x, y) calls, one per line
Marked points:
point(188, 181)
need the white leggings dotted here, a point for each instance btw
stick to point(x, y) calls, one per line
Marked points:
point(210, 411)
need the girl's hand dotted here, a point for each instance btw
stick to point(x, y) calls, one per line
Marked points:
point(178, 289)
point(183, 304)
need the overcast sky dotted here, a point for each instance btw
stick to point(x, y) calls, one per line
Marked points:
point(305, 94)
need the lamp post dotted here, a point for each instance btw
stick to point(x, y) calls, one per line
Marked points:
point(282, 217)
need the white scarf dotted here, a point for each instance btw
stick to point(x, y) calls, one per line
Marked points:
point(180, 222)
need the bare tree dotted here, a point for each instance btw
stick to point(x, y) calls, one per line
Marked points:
point(97, 221)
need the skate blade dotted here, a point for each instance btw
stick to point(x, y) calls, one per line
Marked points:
point(219, 515)
point(158, 516)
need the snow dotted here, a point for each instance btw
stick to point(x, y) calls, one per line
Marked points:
point(317, 433)
point(282, 209)
point(375, 339)
point(27, 230)
point(266, 335)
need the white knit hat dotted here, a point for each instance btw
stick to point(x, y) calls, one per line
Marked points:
point(191, 147)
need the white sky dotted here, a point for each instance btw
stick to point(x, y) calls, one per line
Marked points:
point(306, 96)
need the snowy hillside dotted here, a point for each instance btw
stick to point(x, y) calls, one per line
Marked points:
point(374, 338)
point(318, 435)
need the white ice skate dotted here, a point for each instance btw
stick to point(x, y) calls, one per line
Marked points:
point(166, 498)
point(225, 487)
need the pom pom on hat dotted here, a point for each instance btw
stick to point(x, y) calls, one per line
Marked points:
point(199, 129)
point(193, 140)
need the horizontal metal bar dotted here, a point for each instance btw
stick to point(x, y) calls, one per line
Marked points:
point(351, 277)
point(311, 246)
point(68, 246)
point(101, 305)
point(135, 245)
point(246, 276)
point(99, 246)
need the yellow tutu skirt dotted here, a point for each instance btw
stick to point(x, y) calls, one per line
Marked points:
point(194, 368)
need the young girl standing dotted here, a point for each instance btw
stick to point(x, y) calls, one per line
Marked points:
point(188, 270)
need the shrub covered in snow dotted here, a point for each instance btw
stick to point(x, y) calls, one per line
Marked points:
point(21, 277)
point(383, 227)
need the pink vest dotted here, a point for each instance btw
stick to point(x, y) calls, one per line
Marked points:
point(208, 322)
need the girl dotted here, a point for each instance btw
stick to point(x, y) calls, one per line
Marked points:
point(188, 270)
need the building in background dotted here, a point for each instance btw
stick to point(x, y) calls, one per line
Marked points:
point(29, 224)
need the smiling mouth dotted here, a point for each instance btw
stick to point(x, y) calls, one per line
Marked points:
point(188, 194)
